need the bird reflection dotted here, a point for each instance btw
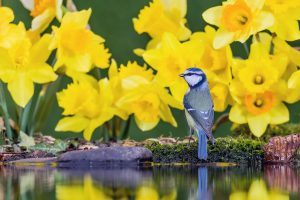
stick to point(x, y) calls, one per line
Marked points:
point(204, 192)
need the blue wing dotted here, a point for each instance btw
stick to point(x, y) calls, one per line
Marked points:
point(204, 119)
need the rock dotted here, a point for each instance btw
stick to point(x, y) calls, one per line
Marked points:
point(281, 148)
point(117, 156)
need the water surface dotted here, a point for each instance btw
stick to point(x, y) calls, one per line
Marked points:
point(165, 183)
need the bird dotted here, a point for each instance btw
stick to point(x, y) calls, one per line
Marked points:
point(199, 108)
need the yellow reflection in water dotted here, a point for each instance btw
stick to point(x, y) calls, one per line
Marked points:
point(88, 190)
point(258, 191)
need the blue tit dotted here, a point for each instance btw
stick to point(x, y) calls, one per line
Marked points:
point(199, 108)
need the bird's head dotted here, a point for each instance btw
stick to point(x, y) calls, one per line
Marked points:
point(194, 77)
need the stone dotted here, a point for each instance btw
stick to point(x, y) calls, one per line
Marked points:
point(281, 148)
point(107, 157)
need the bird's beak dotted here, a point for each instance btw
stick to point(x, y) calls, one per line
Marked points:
point(181, 75)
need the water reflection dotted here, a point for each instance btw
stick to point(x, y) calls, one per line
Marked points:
point(159, 183)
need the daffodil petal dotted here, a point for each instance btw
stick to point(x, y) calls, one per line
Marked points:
point(213, 15)
point(75, 124)
point(279, 114)
point(146, 126)
point(222, 38)
point(42, 21)
point(21, 89)
point(178, 5)
point(237, 114)
point(263, 21)
point(79, 19)
point(255, 4)
point(28, 4)
point(42, 73)
point(258, 123)
point(294, 80)
point(94, 123)
point(166, 114)
point(6, 70)
point(40, 50)
point(59, 13)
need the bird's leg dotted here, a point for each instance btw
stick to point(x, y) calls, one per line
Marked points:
point(191, 135)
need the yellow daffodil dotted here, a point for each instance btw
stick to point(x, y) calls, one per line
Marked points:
point(43, 12)
point(163, 16)
point(172, 58)
point(258, 190)
point(23, 64)
point(283, 49)
point(261, 70)
point(286, 14)
point(6, 16)
point(258, 90)
point(86, 106)
point(237, 20)
point(140, 94)
point(87, 190)
point(215, 60)
point(78, 49)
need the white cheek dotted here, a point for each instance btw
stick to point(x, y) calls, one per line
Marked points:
point(193, 79)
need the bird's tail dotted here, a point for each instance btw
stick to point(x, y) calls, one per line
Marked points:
point(202, 145)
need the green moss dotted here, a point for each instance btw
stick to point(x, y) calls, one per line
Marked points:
point(272, 130)
point(237, 150)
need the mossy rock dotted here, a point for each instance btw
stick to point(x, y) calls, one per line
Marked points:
point(236, 150)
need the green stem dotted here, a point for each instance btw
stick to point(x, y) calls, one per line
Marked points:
point(45, 104)
point(24, 118)
point(126, 129)
point(5, 113)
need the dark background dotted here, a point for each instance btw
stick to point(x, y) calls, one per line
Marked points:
point(112, 19)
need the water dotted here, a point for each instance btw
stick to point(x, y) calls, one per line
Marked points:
point(164, 183)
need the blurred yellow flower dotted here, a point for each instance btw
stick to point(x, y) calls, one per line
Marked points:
point(170, 59)
point(140, 94)
point(77, 56)
point(43, 12)
point(237, 20)
point(286, 15)
point(258, 190)
point(23, 64)
point(163, 16)
point(86, 106)
point(88, 190)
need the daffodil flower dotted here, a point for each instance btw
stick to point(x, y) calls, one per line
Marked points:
point(75, 56)
point(171, 58)
point(86, 106)
point(22, 64)
point(258, 190)
point(43, 12)
point(6, 16)
point(286, 15)
point(163, 16)
point(237, 20)
point(140, 94)
point(258, 90)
